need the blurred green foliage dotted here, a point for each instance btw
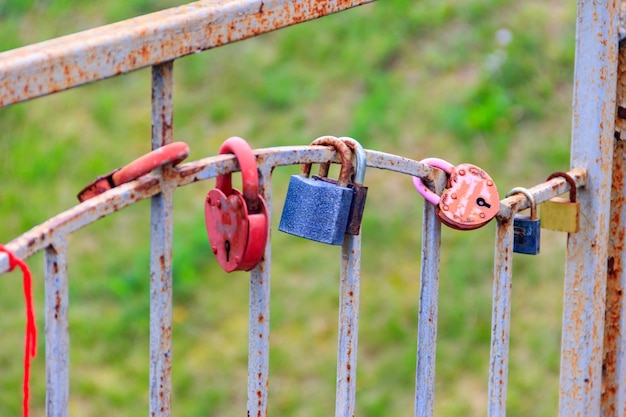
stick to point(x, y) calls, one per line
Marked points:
point(481, 81)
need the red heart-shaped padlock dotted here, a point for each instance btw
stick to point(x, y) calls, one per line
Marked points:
point(237, 223)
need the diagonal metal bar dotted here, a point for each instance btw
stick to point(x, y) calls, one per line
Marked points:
point(69, 61)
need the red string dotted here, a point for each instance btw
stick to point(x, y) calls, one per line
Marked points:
point(30, 345)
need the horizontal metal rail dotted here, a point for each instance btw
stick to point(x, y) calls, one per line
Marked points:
point(116, 199)
point(127, 194)
point(69, 61)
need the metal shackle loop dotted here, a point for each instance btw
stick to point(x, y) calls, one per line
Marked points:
point(529, 196)
point(421, 188)
point(172, 153)
point(570, 181)
point(344, 153)
point(249, 173)
point(360, 157)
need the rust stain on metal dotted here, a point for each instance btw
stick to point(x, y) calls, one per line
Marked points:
point(620, 120)
point(147, 40)
point(614, 285)
point(57, 305)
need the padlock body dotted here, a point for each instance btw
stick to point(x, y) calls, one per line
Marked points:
point(471, 199)
point(316, 210)
point(228, 225)
point(527, 235)
point(560, 214)
point(357, 207)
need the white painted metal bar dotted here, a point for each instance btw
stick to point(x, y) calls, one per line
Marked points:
point(259, 322)
point(501, 319)
point(57, 329)
point(350, 288)
point(614, 362)
point(428, 311)
point(349, 300)
point(161, 230)
point(587, 251)
point(69, 61)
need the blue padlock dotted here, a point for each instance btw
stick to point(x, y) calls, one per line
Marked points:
point(355, 218)
point(316, 209)
point(526, 229)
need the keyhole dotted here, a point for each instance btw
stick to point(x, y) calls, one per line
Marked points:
point(482, 203)
point(227, 248)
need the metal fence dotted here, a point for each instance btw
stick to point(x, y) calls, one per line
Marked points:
point(593, 369)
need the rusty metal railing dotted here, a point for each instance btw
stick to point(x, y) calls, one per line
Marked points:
point(593, 368)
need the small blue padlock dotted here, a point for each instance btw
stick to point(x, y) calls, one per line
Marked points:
point(316, 209)
point(526, 229)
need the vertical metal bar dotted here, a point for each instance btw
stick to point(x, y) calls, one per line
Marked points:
point(614, 364)
point(350, 285)
point(57, 329)
point(259, 331)
point(161, 225)
point(586, 266)
point(428, 313)
point(501, 319)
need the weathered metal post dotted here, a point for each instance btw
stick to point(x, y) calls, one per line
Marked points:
point(591, 149)
point(614, 364)
point(161, 227)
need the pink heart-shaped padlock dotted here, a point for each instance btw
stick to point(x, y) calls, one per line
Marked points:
point(470, 200)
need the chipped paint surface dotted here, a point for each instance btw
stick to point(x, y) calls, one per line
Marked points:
point(584, 295)
point(161, 248)
point(613, 363)
point(428, 312)
point(501, 317)
point(69, 61)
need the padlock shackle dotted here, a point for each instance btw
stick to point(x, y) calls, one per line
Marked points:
point(360, 156)
point(529, 196)
point(570, 181)
point(171, 153)
point(344, 153)
point(421, 188)
point(249, 174)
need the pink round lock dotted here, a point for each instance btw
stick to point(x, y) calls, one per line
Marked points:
point(470, 199)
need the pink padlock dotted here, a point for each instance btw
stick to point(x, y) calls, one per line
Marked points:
point(471, 197)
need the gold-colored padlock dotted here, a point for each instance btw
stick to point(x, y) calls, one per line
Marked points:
point(562, 214)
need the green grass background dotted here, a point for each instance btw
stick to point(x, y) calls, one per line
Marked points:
point(418, 79)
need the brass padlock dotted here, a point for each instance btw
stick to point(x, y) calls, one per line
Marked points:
point(562, 214)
